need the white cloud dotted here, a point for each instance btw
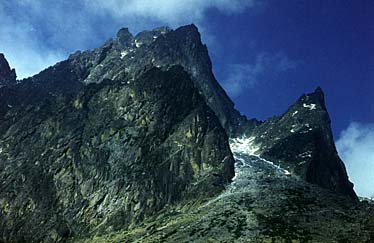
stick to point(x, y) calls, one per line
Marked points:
point(356, 148)
point(23, 51)
point(241, 77)
point(31, 34)
point(173, 12)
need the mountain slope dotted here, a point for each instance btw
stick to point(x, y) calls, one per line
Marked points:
point(104, 156)
point(7, 75)
point(132, 139)
point(301, 141)
point(262, 204)
point(129, 55)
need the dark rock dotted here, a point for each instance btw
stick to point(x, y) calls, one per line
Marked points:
point(7, 75)
point(162, 47)
point(262, 204)
point(104, 156)
point(301, 141)
point(124, 37)
point(137, 129)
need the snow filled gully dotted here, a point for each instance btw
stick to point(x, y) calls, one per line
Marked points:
point(245, 146)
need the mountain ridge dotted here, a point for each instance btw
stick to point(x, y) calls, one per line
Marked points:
point(301, 140)
point(7, 75)
point(121, 135)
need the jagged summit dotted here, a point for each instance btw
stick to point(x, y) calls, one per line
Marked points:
point(7, 75)
point(129, 56)
point(301, 141)
point(318, 90)
point(124, 37)
point(136, 135)
point(316, 97)
point(101, 157)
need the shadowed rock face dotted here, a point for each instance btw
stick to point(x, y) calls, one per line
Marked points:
point(7, 75)
point(301, 141)
point(109, 137)
point(103, 156)
point(129, 55)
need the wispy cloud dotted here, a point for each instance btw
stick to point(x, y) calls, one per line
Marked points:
point(356, 148)
point(21, 46)
point(174, 12)
point(36, 33)
point(241, 77)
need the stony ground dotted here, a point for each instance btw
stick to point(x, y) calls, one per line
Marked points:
point(264, 203)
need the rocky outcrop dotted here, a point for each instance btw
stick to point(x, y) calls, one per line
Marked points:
point(129, 55)
point(136, 132)
point(102, 157)
point(301, 142)
point(262, 204)
point(7, 75)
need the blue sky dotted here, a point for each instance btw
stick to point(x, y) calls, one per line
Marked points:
point(265, 53)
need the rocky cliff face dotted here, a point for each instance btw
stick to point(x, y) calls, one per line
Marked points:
point(7, 75)
point(137, 132)
point(129, 55)
point(301, 142)
point(99, 157)
point(262, 204)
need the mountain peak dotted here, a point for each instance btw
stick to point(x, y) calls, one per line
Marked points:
point(189, 27)
point(7, 75)
point(161, 47)
point(301, 141)
point(314, 100)
point(189, 31)
point(124, 36)
point(135, 133)
point(318, 90)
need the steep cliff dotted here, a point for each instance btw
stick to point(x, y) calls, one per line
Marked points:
point(133, 137)
point(162, 47)
point(301, 142)
point(7, 75)
point(79, 158)
point(263, 204)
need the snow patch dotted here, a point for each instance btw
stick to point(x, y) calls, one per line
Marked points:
point(287, 173)
point(310, 106)
point(123, 54)
point(244, 145)
point(138, 44)
point(293, 114)
point(307, 154)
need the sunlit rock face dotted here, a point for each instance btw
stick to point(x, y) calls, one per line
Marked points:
point(129, 56)
point(301, 142)
point(117, 136)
